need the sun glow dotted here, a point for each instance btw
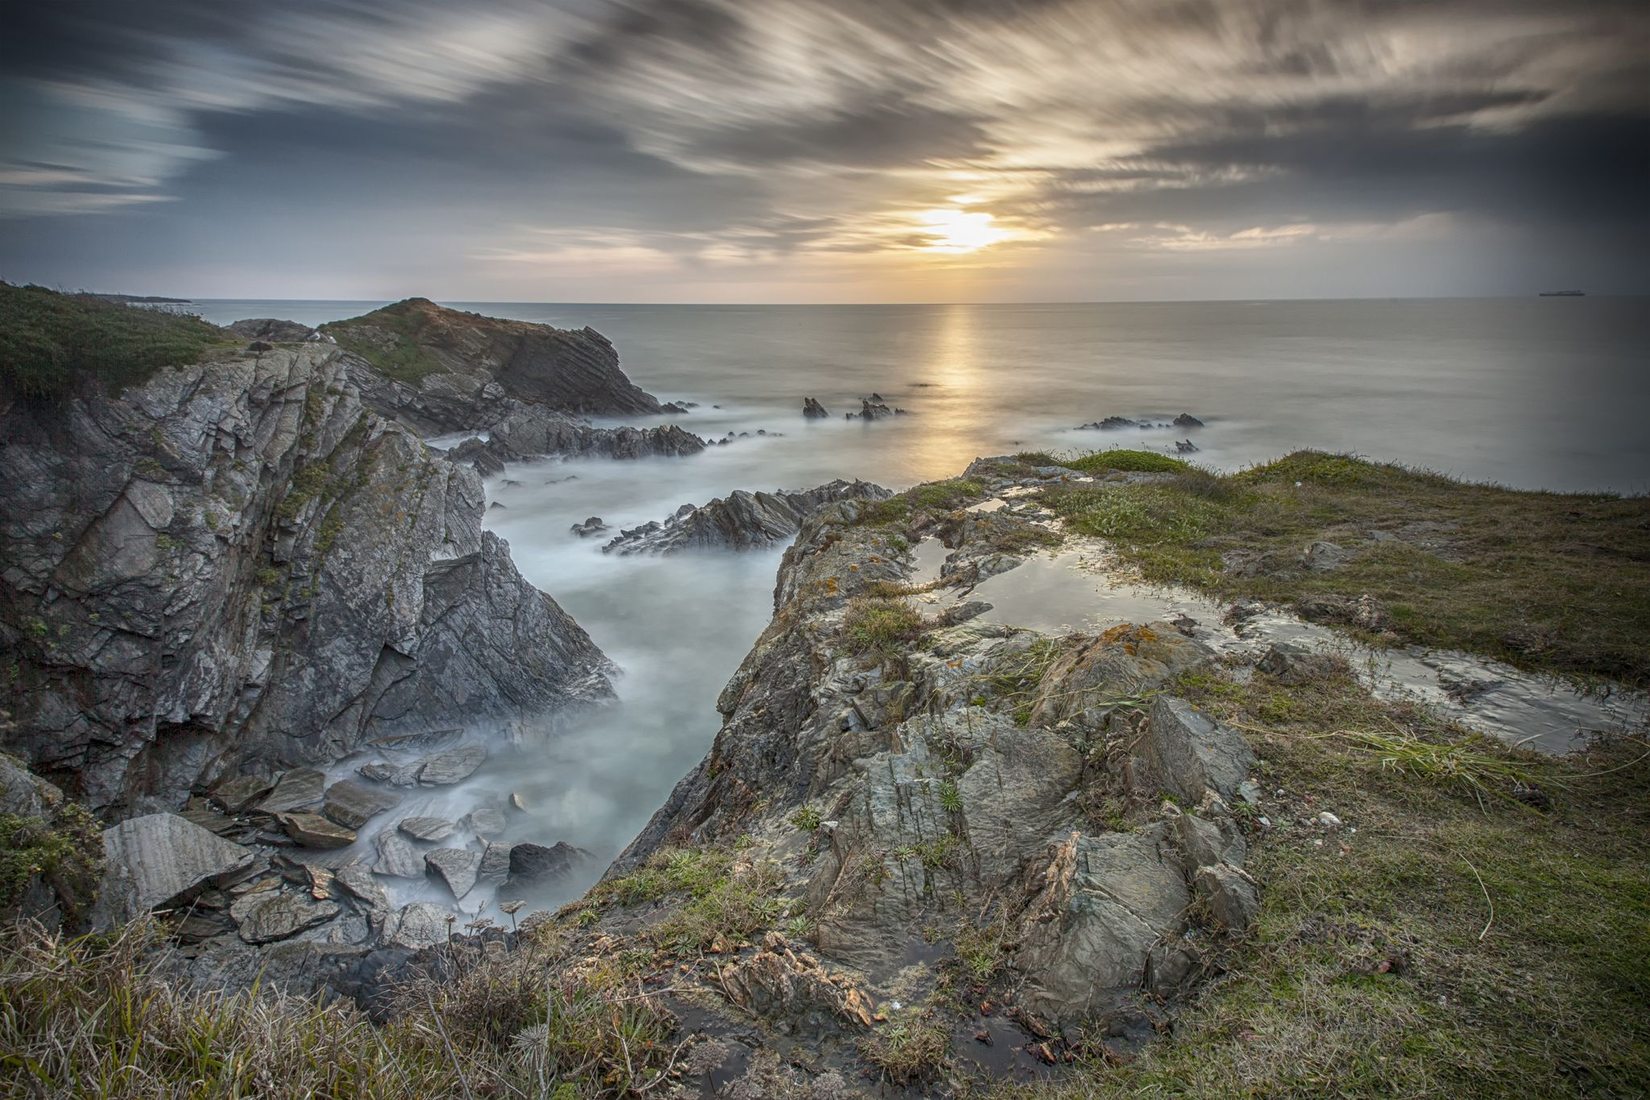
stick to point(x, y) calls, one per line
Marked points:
point(959, 231)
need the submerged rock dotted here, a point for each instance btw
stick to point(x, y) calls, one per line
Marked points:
point(447, 768)
point(537, 863)
point(1187, 420)
point(1110, 424)
point(591, 526)
point(397, 857)
point(813, 410)
point(428, 829)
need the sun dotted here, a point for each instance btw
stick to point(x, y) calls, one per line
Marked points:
point(958, 231)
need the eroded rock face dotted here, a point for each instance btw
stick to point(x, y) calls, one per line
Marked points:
point(517, 431)
point(236, 565)
point(740, 521)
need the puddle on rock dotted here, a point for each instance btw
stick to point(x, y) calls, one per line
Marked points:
point(1081, 589)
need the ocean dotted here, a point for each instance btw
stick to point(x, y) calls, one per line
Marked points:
point(1538, 393)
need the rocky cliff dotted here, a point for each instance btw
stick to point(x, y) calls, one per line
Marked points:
point(741, 520)
point(454, 367)
point(238, 563)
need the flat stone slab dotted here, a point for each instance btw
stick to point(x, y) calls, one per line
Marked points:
point(270, 915)
point(449, 767)
point(429, 829)
point(353, 804)
point(419, 925)
point(396, 775)
point(298, 789)
point(359, 883)
point(154, 859)
point(495, 864)
point(234, 795)
point(457, 867)
point(315, 831)
point(397, 857)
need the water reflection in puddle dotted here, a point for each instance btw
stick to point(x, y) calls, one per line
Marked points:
point(1081, 589)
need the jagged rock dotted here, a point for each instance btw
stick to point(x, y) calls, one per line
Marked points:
point(156, 860)
point(270, 915)
point(427, 828)
point(419, 925)
point(274, 330)
point(353, 805)
point(145, 531)
point(537, 863)
point(397, 857)
point(298, 789)
point(739, 521)
point(1205, 842)
point(1110, 424)
point(1185, 447)
point(813, 410)
point(495, 864)
point(519, 432)
point(1101, 906)
point(1230, 895)
point(447, 768)
point(315, 831)
point(591, 526)
point(23, 794)
point(235, 795)
point(456, 867)
point(1187, 420)
point(1186, 752)
point(873, 408)
point(484, 821)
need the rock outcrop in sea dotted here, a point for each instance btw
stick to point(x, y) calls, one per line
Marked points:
point(238, 563)
point(740, 521)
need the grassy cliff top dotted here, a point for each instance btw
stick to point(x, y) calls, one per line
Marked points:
point(52, 342)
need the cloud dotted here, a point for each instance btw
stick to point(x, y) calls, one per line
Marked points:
point(698, 135)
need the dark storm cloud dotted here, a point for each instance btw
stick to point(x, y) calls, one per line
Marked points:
point(719, 131)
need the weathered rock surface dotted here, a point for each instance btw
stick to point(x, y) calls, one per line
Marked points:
point(237, 565)
point(276, 331)
point(419, 925)
point(428, 829)
point(353, 804)
point(159, 859)
point(739, 521)
point(1187, 752)
point(397, 857)
point(298, 789)
point(315, 831)
point(271, 915)
point(444, 769)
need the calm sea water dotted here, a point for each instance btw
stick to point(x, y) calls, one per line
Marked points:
point(1538, 393)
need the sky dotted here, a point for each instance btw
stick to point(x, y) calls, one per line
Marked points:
point(825, 150)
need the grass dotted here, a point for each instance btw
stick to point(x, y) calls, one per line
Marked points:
point(1549, 582)
point(880, 626)
point(392, 339)
point(908, 1051)
point(720, 903)
point(1452, 945)
point(65, 852)
point(936, 496)
point(51, 344)
point(1129, 461)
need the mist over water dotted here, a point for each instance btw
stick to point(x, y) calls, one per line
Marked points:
point(1539, 393)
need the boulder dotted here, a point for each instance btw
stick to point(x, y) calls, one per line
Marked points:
point(1294, 664)
point(429, 829)
point(315, 831)
point(1324, 557)
point(159, 859)
point(1186, 752)
point(495, 864)
point(353, 804)
point(269, 915)
point(449, 767)
point(456, 867)
point(591, 526)
point(537, 863)
point(397, 857)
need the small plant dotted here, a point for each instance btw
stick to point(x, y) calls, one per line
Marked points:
point(982, 951)
point(880, 626)
point(807, 819)
point(950, 797)
point(908, 1052)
